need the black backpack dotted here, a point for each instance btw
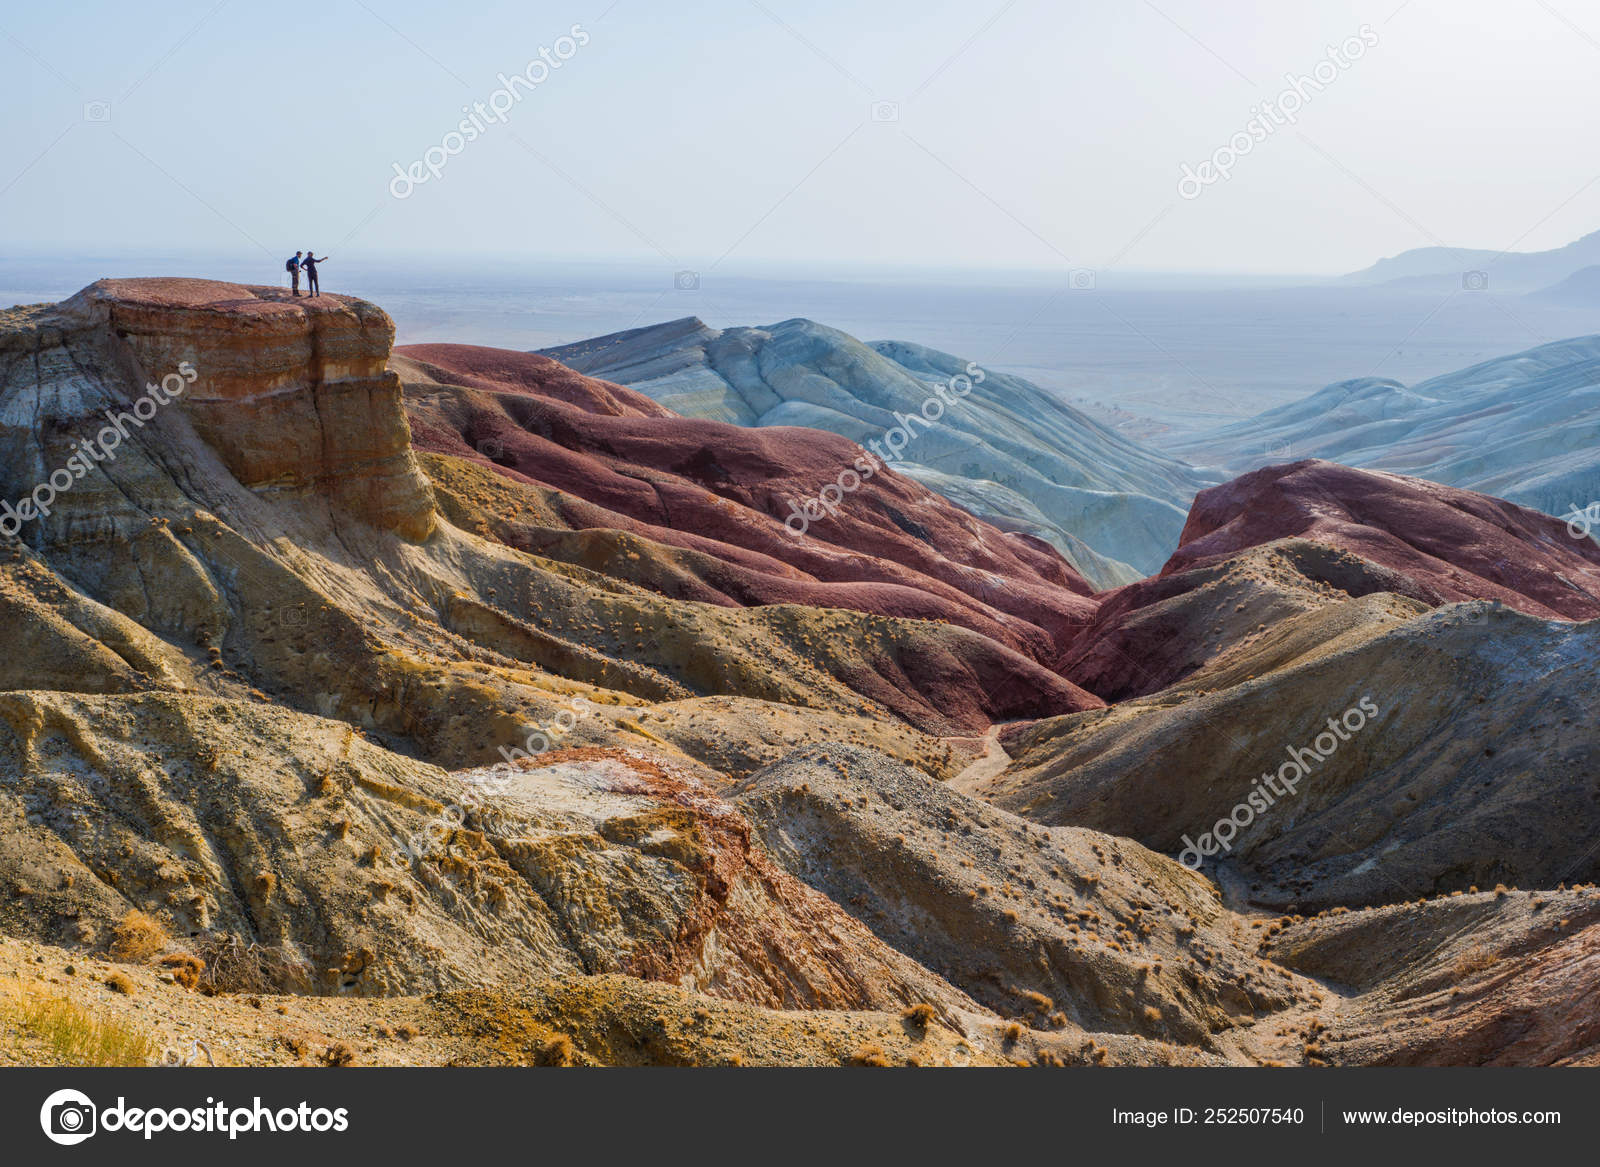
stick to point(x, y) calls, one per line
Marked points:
point(291, 265)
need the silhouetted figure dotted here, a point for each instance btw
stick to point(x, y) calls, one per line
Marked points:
point(310, 264)
point(293, 268)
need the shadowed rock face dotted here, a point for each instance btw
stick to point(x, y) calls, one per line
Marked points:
point(292, 393)
point(1493, 979)
point(1111, 935)
point(1464, 753)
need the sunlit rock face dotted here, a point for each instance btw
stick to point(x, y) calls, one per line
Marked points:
point(292, 393)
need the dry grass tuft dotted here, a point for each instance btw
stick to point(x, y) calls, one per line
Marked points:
point(119, 983)
point(558, 1051)
point(920, 1015)
point(185, 968)
point(71, 1035)
point(138, 937)
point(1475, 959)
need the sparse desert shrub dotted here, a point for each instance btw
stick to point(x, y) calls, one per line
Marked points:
point(338, 1054)
point(920, 1015)
point(1012, 1033)
point(1152, 1015)
point(232, 964)
point(1037, 1002)
point(406, 1031)
point(137, 937)
point(1475, 959)
point(869, 1055)
point(558, 1051)
point(119, 983)
point(185, 968)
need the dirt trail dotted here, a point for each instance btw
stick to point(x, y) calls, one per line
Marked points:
point(982, 772)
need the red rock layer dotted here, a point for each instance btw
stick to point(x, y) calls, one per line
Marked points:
point(1450, 544)
point(894, 548)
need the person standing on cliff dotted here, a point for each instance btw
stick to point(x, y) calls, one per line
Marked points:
point(293, 268)
point(310, 264)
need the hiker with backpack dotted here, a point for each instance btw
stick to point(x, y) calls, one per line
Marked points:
point(293, 268)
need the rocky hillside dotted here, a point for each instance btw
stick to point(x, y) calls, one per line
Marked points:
point(451, 705)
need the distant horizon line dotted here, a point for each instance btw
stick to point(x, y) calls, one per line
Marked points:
point(745, 268)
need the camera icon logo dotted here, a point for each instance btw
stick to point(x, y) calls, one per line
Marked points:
point(885, 111)
point(1475, 281)
point(492, 449)
point(68, 1117)
point(1080, 279)
point(1278, 451)
point(97, 111)
point(686, 281)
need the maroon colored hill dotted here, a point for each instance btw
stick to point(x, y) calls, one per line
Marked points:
point(1323, 529)
point(1450, 544)
point(895, 548)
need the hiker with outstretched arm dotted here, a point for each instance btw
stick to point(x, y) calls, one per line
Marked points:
point(310, 264)
point(293, 268)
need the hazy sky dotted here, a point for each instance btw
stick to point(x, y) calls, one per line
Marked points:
point(1034, 133)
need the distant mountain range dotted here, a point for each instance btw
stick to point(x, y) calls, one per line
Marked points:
point(1506, 271)
point(1579, 290)
point(1009, 452)
point(1524, 427)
